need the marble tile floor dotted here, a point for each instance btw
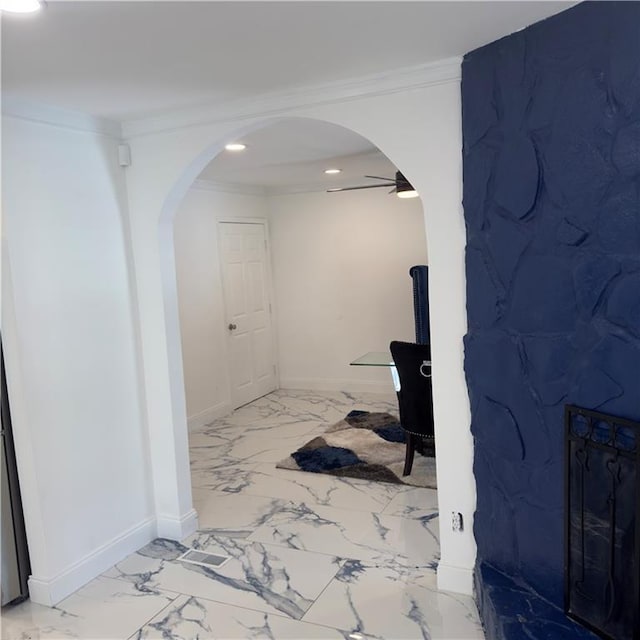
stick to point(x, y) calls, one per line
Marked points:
point(309, 556)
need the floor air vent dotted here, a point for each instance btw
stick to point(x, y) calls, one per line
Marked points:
point(194, 556)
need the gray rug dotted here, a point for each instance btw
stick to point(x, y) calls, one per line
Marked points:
point(369, 446)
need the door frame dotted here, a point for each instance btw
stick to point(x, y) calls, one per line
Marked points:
point(226, 219)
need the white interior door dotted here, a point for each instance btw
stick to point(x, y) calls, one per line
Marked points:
point(243, 252)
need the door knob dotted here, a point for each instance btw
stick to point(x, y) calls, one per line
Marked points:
point(232, 327)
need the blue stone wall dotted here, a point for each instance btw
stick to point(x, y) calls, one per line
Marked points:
point(551, 127)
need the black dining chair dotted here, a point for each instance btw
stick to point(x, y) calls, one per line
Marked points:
point(415, 400)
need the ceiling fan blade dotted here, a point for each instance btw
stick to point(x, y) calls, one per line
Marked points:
point(369, 186)
point(381, 178)
point(394, 190)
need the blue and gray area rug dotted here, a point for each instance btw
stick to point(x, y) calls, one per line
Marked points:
point(365, 445)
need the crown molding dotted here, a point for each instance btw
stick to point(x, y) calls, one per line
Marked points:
point(62, 118)
point(202, 184)
point(281, 102)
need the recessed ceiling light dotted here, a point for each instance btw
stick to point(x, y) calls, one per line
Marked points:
point(235, 146)
point(21, 6)
point(332, 171)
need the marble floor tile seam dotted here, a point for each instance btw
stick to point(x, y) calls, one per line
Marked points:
point(226, 604)
point(362, 482)
point(351, 539)
point(314, 506)
point(326, 587)
point(275, 420)
point(418, 569)
point(175, 595)
point(225, 493)
point(224, 431)
point(220, 468)
point(226, 439)
point(242, 419)
point(226, 436)
point(411, 566)
point(245, 484)
point(276, 450)
point(258, 493)
point(221, 465)
point(284, 415)
point(274, 545)
point(155, 615)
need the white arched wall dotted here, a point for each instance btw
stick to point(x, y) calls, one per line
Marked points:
point(420, 131)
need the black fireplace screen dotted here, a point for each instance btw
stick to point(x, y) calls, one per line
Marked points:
point(602, 523)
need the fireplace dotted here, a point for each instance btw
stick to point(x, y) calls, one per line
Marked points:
point(602, 523)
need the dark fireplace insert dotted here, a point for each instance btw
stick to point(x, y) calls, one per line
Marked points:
point(602, 523)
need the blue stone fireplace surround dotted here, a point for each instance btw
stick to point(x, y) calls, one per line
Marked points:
point(551, 131)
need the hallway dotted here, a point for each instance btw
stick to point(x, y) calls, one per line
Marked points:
point(310, 556)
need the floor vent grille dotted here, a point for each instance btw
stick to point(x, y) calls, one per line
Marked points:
point(194, 556)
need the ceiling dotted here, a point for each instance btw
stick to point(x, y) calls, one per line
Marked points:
point(292, 155)
point(128, 60)
point(124, 60)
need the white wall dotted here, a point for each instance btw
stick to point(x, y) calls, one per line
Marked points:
point(342, 287)
point(201, 305)
point(71, 355)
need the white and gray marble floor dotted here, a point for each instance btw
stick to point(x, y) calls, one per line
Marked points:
point(310, 556)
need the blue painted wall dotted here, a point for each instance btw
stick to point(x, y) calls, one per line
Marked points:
point(551, 126)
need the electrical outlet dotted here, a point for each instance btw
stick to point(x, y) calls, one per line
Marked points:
point(456, 521)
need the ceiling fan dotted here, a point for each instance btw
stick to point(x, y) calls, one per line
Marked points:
point(401, 186)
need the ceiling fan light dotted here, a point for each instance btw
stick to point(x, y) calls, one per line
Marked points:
point(330, 172)
point(409, 193)
point(21, 6)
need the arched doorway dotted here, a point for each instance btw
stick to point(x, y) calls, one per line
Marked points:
point(424, 142)
point(170, 291)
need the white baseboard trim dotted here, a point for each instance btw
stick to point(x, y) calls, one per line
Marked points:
point(456, 579)
point(209, 415)
point(177, 528)
point(50, 591)
point(333, 384)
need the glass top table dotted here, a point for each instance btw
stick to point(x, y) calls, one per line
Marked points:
point(374, 359)
point(379, 359)
point(384, 359)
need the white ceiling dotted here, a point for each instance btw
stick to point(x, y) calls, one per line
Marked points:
point(128, 59)
point(124, 60)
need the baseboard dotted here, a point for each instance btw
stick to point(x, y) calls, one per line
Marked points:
point(333, 384)
point(50, 591)
point(208, 415)
point(177, 528)
point(456, 579)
